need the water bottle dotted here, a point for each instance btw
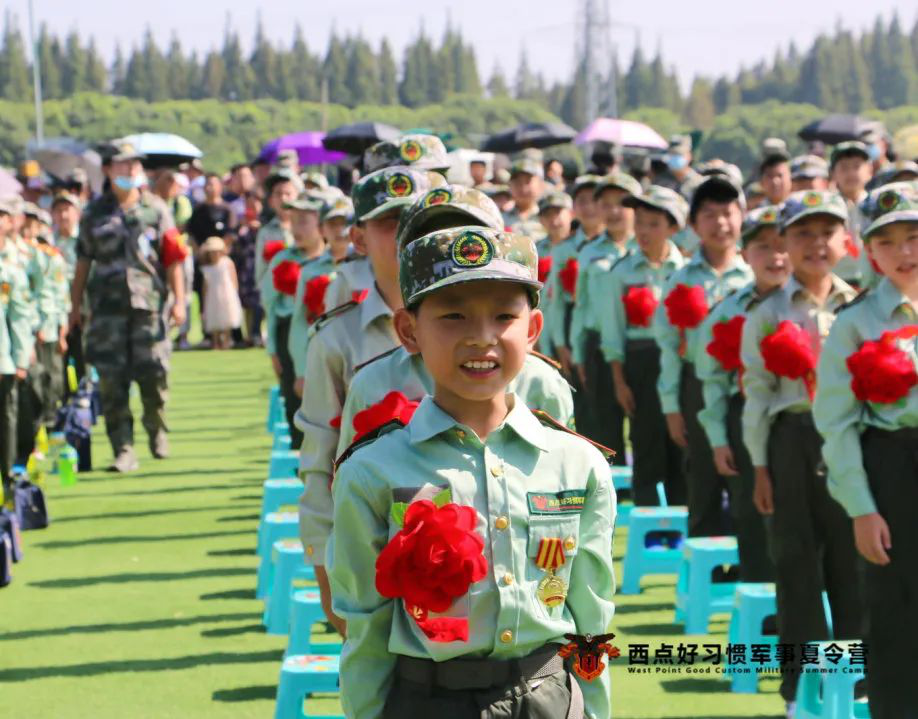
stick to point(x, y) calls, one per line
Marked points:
point(66, 466)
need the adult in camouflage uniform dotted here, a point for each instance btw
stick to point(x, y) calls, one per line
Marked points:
point(129, 261)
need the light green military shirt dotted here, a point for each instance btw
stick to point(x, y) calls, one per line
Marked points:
point(766, 393)
point(16, 317)
point(556, 300)
point(354, 274)
point(695, 272)
point(840, 417)
point(718, 385)
point(520, 467)
point(530, 225)
point(632, 270)
point(595, 258)
point(54, 296)
point(300, 321)
point(855, 268)
point(270, 232)
point(68, 247)
point(276, 304)
point(346, 338)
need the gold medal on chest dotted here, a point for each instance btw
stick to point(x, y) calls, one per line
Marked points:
point(552, 591)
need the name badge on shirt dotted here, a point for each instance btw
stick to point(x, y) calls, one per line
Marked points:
point(568, 502)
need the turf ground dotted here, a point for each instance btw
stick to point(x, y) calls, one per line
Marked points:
point(138, 600)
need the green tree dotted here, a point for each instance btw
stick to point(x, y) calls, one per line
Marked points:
point(415, 87)
point(726, 94)
point(178, 71)
point(388, 75)
point(637, 84)
point(524, 86)
point(49, 52)
point(334, 71)
point(14, 68)
point(362, 73)
point(304, 68)
point(96, 74)
point(73, 70)
point(574, 103)
point(238, 81)
point(497, 85)
point(902, 83)
point(264, 64)
point(118, 72)
point(213, 76)
point(157, 70)
point(699, 110)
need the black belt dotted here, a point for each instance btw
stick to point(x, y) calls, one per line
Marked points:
point(802, 419)
point(641, 345)
point(903, 434)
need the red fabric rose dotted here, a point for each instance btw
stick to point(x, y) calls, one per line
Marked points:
point(270, 249)
point(686, 306)
point(880, 371)
point(568, 276)
point(173, 248)
point(394, 405)
point(640, 304)
point(851, 246)
point(434, 559)
point(359, 296)
point(440, 629)
point(788, 352)
point(544, 268)
point(314, 296)
point(286, 275)
point(725, 343)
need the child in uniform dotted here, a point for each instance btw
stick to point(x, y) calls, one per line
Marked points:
point(851, 169)
point(555, 214)
point(866, 410)
point(522, 511)
point(813, 547)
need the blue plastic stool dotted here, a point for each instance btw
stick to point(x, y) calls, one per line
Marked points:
point(275, 408)
point(287, 557)
point(621, 477)
point(830, 696)
point(279, 492)
point(300, 676)
point(623, 510)
point(641, 559)
point(284, 463)
point(282, 442)
point(277, 525)
point(305, 611)
point(697, 596)
point(752, 604)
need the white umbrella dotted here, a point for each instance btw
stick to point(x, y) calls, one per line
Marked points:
point(59, 156)
point(625, 133)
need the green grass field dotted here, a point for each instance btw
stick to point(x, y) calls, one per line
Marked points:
point(138, 601)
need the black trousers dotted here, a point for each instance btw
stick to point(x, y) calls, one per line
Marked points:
point(75, 355)
point(708, 517)
point(813, 544)
point(287, 379)
point(39, 396)
point(752, 536)
point(656, 456)
point(607, 417)
point(891, 592)
point(9, 404)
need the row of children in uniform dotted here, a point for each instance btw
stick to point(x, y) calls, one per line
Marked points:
point(36, 266)
point(712, 357)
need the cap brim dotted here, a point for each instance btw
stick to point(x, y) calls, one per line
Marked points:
point(889, 219)
point(388, 206)
point(635, 201)
point(489, 272)
point(814, 211)
point(417, 226)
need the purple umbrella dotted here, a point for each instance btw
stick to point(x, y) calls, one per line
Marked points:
point(308, 146)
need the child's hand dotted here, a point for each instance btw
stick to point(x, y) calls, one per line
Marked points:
point(676, 426)
point(276, 364)
point(298, 386)
point(723, 460)
point(625, 396)
point(762, 495)
point(871, 536)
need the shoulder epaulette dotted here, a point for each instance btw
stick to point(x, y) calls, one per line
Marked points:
point(549, 421)
point(546, 359)
point(857, 300)
point(377, 357)
point(618, 261)
point(369, 437)
point(322, 320)
point(352, 257)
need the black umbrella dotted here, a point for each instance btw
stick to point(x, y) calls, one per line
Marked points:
point(833, 129)
point(529, 134)
point(358, 136)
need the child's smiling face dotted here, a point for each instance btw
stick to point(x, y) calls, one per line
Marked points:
point(894, 249)
point(815, 244)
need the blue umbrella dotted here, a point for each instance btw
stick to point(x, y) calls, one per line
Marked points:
point(163, 149)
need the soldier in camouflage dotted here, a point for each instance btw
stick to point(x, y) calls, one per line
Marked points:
point(130, 263)
point(420, 152)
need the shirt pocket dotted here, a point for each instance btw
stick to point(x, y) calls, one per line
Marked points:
point(551, 539)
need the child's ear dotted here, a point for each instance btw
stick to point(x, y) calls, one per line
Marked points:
point(404, 322)
point(357, 239)
point(536, 322)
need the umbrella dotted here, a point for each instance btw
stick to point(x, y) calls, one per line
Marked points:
point(59, 156)
point(308, 146)
point(163, 149)
point(9, 185)
point(833, 129)
point(358, 136)
point(529, 134)
point(905, 142)
point(624, 133)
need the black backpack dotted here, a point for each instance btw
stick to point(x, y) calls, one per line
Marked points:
point(30, 505)
point(9, 526)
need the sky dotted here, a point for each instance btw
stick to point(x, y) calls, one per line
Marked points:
point(709, 37)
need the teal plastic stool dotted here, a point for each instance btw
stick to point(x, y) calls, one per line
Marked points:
point(287, 556)
point(305, 611)
point(275, 408)
point(279, 492)
point(282, 442)
point(623, 510)
point(621, 477)
point(277, 525)
point(284, 463)
point(697, 596)
point(752, 604)
point(830, 696)
point(641, 559)
point(300, 676)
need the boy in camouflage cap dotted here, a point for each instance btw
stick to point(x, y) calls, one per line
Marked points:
point(851, 170)
point(444, 207)
point(559, 246)
point(422, 152)
point(464, 451)
point(527, 182)
point(809, 172)
point(775, 170)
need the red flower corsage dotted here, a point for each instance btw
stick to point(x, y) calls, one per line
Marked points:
point(394, 405)
point(544, 268)
point(788, 352)
point(314, 296)
point(568, 276)
point(880, 371)
point(725, 343)
point(640, 304)
point(270, 249)
point(286, 275)
point(686, 307)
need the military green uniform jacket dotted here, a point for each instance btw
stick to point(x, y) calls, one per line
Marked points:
point(856, 267)
point(530, 225)
point(23, 255)
point(766, 393)
point(353, 274)
point(54, 300)
point(555, 299)
point(68, 248)
point(301, 321)
point(348, 337)
point(840, 417)
point(270, 232)
point(16, 336)
point(511, 480)
point(276, 304)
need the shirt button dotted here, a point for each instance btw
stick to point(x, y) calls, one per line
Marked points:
point(508, 579)
point(309, 550)
point(501, 523)
point(496, 471)
point(570, 543)
point(506, 636)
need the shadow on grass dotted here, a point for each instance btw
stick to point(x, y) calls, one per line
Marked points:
point(146, 513)
point(164, 490)
point(245, 694)
point(621, 608)
point(652, 629)
point(129, 577)
point(127, 626)
point(234, 631)
point(238, 517)
point(230, 594)
point(244, 497)
point(135, 538)
point(121, 666)
point(241, 552)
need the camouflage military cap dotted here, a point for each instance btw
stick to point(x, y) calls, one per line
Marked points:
point(445, 207)
point(753, 189)
point(388, 189)
point(492, 189)
point(527, 164)
point(848, 149)
point(766, 216)
point(315, 178)
point(774, 148)
point(466, 254)
point(501, 176)
point(67, 197)
point(679, 145)
point(122, 151)
point(306, 202)
point(339, 207)
point(619, 181)
point(868, 206)
point(9, 205)
point(809, 167)
point(30, 209)
point(807, 203)
point(283, 174)
point(422, 152)
point(719, 167)
point(585, 182)
point(555, 198)
point(662, 199)
point(78, 176)
point(717, 188)
point(894, 203)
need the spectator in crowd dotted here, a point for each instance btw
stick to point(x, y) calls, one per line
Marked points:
point(243, 256)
